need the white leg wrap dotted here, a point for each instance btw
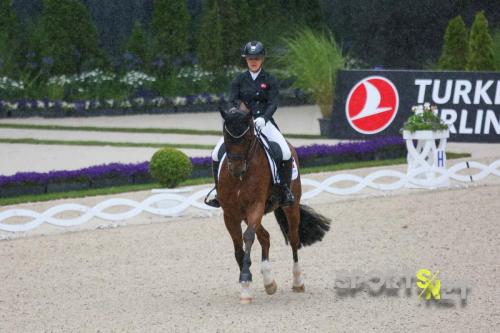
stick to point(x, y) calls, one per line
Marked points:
point(297, 275)
point(267, 273)
point(245, 291)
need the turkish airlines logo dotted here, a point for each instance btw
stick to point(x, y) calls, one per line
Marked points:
point(372, 105)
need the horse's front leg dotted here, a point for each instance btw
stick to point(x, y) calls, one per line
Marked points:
point(254, 219)
point(233, 225)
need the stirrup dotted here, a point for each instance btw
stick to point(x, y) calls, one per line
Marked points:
point(212, 202)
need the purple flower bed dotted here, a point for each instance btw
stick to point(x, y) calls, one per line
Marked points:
point(115, 174)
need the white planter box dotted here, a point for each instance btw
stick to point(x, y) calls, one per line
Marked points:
point(427, 158)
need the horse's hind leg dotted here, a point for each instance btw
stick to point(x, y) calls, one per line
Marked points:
point(266, 270)
point(293, 217)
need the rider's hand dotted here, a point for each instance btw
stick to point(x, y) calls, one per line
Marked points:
point(260, 123)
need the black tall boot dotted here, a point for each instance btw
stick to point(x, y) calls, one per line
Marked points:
point(285, 173)
point(214, 202)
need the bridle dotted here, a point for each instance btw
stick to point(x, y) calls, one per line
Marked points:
point(241, 156)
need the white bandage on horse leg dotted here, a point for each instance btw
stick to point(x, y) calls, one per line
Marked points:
point(297, 275)
point(267, 273)
point(246, 294)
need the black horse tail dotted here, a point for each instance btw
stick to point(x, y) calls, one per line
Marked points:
point(312, 227)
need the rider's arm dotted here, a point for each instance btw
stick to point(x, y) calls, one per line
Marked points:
point(272, 98)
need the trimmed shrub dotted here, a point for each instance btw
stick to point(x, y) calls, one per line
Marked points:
point(170, 166)
point(481, 57)
point(456, 47)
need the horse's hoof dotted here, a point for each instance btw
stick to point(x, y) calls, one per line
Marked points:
point(245, 300)
point(271, 288)
point(299, 289)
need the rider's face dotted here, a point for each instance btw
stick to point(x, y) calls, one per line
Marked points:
point(254, 63)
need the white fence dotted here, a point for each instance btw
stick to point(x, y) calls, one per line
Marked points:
point(174, 203)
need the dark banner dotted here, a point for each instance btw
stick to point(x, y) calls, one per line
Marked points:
point(377, 103)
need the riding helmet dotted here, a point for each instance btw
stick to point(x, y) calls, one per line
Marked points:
point(253, 48)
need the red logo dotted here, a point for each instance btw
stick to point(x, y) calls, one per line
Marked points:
point(372, 105)
point(263, 86)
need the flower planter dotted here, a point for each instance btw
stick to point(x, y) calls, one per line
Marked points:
point(27, 189)
point(65, 187)
point(426, 158)
point(109, 182)
point(325, 127)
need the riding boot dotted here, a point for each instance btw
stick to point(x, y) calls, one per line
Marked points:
point(214, 202)
point(285, 174)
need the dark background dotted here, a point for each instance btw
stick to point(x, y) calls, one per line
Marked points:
point(380, 33)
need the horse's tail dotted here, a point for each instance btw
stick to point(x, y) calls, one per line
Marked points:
point(312, 227)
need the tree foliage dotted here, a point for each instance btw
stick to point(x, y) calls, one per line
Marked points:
point(70, 37)
point(171, 22)
point(9, 39)
point(138, 43)
point(210, 44)
point(456, 46)
point(481, 57)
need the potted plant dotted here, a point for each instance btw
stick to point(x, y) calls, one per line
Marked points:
point(314, 59)
point(425, 123)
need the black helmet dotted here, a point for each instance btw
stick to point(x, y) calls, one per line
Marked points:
point(253, 48)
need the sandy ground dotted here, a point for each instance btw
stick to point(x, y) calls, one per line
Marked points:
point(180, 276)
point(157, 274)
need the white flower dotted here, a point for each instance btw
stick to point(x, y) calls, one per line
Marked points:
point(434, 110)
point(419, 110)
point(180, 100)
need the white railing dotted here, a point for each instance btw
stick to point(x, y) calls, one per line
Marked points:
point(174, 203)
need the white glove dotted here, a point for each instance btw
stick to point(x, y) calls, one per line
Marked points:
point(260, 123)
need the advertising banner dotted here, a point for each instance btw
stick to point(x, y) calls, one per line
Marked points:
point(372, 103)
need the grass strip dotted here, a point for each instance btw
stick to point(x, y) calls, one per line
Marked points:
point(104, 143)
point(138, 130)
point(199, 181)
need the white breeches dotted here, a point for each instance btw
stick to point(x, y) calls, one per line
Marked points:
point(272, 133)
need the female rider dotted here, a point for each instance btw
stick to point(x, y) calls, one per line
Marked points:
point(258, 90)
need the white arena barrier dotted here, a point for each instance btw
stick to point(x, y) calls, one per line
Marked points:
point(172, 203)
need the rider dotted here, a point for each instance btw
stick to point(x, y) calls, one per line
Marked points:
point(258, 90)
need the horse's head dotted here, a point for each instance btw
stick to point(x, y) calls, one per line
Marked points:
point(239, 139)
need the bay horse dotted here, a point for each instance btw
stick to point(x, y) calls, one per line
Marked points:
point(246, 193)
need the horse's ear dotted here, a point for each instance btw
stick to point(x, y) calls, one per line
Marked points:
point(222, 112)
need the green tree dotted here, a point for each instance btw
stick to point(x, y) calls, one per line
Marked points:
point(496, 48)
point(138, 43)
point(456, 47)
point(307, 13)
point(70, 37)
point(481, 57)
point(267, 21)
point(171, 22)
point(9, 49)
point(210, 44)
